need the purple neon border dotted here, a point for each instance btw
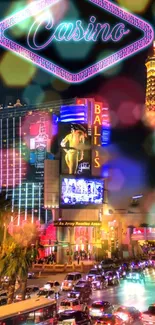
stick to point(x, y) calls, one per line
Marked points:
point(93, 69)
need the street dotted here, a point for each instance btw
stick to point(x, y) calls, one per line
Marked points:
point(139, 295)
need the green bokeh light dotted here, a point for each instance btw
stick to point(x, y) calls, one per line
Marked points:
point(16, 71)
point(33, 94)
point(22, 28)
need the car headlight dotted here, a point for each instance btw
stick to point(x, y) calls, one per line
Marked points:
point(77, 295)
point(98, 283)
point(110, 278)
point(70, 284)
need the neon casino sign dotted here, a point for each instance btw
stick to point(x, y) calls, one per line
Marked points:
point(76, 32)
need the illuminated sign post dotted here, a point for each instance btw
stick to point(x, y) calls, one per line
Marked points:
point(75, 32)
point(96, 138)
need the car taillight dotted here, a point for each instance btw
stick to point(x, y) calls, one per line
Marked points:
point(102, 309)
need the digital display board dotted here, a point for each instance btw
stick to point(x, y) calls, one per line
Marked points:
point(37, 134)
point(81, 192)
point(75, 144)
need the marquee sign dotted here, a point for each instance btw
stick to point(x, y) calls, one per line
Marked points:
point(77, 223)
point(75, 32)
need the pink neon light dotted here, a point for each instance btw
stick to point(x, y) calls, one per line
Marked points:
point(94, 69)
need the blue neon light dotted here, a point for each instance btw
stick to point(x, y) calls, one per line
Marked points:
point(105, 137)
point(73, 114)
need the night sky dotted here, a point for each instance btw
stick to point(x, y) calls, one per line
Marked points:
point(132, 150)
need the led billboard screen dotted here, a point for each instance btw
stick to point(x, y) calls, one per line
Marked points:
point(81, 192)
point(75, 144)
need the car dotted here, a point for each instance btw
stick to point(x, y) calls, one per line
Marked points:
point(128, 314)
point(82, 292)
point(109, 320)
point(3, 293)
point(70, 280)
point(32, 290)
point(72, 317)
point(92, 274)
point(55, 285)
point(31, 275)
point(83, 287)
point(5, 279)
point(113, 277)
point(81, 296)
point(148, 317)
point(136, 265)
point(18, 297)
point(48, 293)
point(99, 308)
point(99, 283)
point(86, 284)
point(71, 304)
point(3, 301)
point(135, 276)
point(153, 260)
point(121, 271)
point(107, 263)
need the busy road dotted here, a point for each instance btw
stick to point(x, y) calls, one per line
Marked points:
point(140, 295)
point(113, 292)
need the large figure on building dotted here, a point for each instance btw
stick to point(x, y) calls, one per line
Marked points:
point(72, 144)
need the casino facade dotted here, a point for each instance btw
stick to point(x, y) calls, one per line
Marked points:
point(52, 167)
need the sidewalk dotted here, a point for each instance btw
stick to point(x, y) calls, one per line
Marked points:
point(83, 267)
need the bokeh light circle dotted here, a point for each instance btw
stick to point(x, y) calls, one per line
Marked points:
point(51, 95)
point(33, 94)
point(60, 85)
point(137, 6)
point(15, 71)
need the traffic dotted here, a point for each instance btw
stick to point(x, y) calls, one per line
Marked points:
point(71, 301)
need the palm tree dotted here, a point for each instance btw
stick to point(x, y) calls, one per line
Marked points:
point(9, 263)
point(25, 264)
point(5, 206)
point(27, 238)
point(19, 252)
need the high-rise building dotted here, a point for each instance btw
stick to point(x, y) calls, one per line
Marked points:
point(150, 88)
point(26, 136)
point(53, 168)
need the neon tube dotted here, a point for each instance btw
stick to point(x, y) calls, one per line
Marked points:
point(7, 156)
point(26, 192)
point(14, 162)
point(39, 201)
point(20, 166)
point(1, 150)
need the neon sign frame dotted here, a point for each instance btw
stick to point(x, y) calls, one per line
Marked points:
point(92, 70)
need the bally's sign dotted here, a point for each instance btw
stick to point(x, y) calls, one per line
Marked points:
point(76, 31)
